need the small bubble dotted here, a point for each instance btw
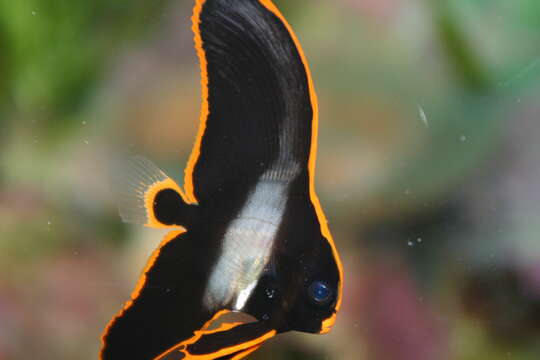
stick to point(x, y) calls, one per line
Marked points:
point(86, 142)
point(265, 317)
point(518, 101)
point(410, 243)
point(34, 13)
point(419, 240)
point(463, 138)
point(83, 122)
point(49, 223)
point(407, 191)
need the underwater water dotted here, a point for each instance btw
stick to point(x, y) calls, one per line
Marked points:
point(427, 169)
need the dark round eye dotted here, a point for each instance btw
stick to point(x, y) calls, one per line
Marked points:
point(319, 292)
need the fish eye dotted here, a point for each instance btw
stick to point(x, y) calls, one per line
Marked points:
point(319, 292)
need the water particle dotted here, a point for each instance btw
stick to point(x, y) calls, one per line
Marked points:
point(86, 142)
point(422, 114)
point(419, 240)
point(34, 13)
point(410, 243)
point(463, 138)
point(83, 122)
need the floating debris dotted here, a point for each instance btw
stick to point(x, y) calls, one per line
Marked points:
point(422, 114)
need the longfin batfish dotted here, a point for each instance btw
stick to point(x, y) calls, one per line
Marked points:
point(247, 231)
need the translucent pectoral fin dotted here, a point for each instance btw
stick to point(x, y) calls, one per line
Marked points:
point(229, 341)
point(147, 196)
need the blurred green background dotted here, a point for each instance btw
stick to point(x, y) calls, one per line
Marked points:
point(428, 169)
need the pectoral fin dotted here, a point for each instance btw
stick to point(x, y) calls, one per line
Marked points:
point(229, 341)
point(147, 196)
